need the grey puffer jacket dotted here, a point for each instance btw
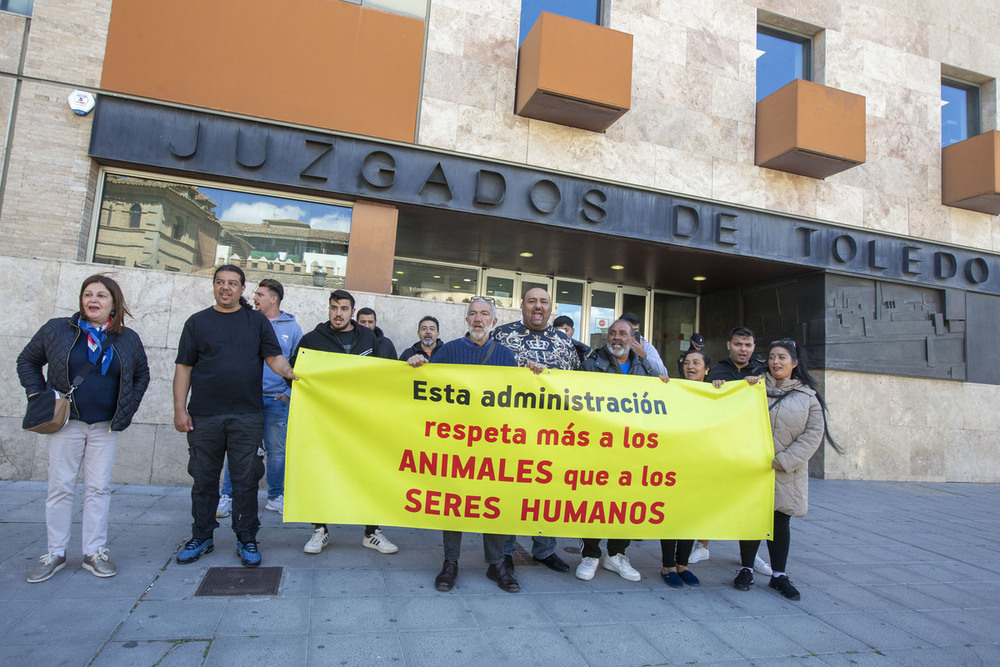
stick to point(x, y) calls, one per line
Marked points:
point(797, 431)
point(52, 344)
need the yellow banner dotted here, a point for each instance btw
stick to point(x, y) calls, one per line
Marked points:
point(501, 450)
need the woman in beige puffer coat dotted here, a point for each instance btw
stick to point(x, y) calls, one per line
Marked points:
point(798, 426)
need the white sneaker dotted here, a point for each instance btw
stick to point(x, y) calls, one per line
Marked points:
point(379, 542)
point(619, 563)
point(320, 538)
point(276, 504)
point(760, 565)
point(225, 507)
point(586, 569)
point(698, 553)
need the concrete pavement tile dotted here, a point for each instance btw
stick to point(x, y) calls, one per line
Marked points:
point(424, 558)
point(647, 605)
point(79, 654)
point(532, 646)
point(753, 638)
point(411, 582)
point(934, 630)
point(13, 612)
point(70, 620)
point(984, 589)
point(350, 614)
point(82, 585)
point(331, 583)
point(762, 603)
point(180, 582)
point(508, 611)
point(612, 645)
point(196, 618)
point(242, 651)
point(861, 659)
point(162, 653)
point(708, 603)
point(22, 538)
point(937, 656)
point(852, 574)
point(814, 634)
point(258, 616)
point(685, 642)
point(815, 600)
point(14, 581)
point(959, 597)
point(536, 578)
point(873, 630)
point(863, 598)
point(359, 649)
point(432, 613)
point(458, 648)
point(574, 608)
point(790, 661)
point(814, 575)
point(980, 625)
point(295, 583)
point(910, 597)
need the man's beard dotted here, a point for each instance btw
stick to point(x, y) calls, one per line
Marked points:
point(480, 336)
point(427, 341)
point(618, 354)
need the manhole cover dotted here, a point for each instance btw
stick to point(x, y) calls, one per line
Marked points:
point(240, 581)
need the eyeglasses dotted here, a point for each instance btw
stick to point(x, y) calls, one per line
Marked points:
point(488, 299)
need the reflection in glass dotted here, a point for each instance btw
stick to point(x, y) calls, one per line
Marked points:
point(188, 228)
point(781, 58)
point(568, 301)
point(602, 316)
point(440, 282)
point(501, 289)
point(959, 112)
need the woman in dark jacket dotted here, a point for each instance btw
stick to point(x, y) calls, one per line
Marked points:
point(101, 406)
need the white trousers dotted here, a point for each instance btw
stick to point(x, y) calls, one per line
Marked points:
point(91, 446)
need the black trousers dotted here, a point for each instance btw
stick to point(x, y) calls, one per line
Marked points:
point(592, 547)
point(676, 552)
point(213, 439)
point(777, 548)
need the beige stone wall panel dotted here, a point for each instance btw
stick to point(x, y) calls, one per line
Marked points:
point(566, 149)
point(735, 183)
point(502, 137)
point(929, 221)
point(682, 171)
point(841, 202)
point(817, 12)
point(438, 123)
point(733, 99)
point(134, 455)
point(711, 53)
point(17, 449)
point(459, 80)
point(48, 177)
point(11, 41)
point(790, 193)
point(67, 41)
point(650, 122)
point(170, 457)
point(969, 228)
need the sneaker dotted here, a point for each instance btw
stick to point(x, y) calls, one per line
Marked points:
point(194, 548)
point(99, 564)
point(587, 568)
point(225, 507)
point(275, 504)
point(319, 540)
point(760, 565)
point(249, 555)
point(744, 579)
point(698, 553)
point(619, 563)
point(379, 542)
point(784, 586)
point(48, 565)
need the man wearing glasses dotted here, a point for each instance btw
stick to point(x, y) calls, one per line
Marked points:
point(476, 348)
point(535, 342)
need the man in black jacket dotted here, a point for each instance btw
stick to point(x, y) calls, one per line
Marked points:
point(367, 318)
point(343, 335)
point(428, 331)
point(740, 364)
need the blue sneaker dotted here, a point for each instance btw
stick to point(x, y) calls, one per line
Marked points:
point(194, 548)
point(249, 555)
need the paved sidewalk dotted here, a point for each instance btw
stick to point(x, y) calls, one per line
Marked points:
point(890, 574)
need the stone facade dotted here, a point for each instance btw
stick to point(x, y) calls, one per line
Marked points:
point(690, 131)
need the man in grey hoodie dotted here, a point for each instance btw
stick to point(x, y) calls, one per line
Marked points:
point(267, 299)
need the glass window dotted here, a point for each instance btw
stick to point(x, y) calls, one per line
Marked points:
point(441, 282)
point(583, 10)
point(781, 58)
point(193, 228)
point(959, 111)
point(17, 6)
point(569, 301)
point(602, 315)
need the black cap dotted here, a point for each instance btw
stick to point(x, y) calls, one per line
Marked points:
point(697, 339)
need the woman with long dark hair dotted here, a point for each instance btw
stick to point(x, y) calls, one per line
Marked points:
point(94, 340)
point(798, 427)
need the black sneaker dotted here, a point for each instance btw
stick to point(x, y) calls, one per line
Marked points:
point(784, 586)
point(744, 579)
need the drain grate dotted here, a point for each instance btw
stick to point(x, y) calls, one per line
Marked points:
point(240, 581)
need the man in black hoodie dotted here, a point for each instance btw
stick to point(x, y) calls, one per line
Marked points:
point(428, 332)
point(740, 364)
point(343, 335)
point(367, 318)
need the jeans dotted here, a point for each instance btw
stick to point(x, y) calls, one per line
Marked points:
point(214, 439)
point(492, 546)
point(541, 547)
point(275, 428)
point(92, 447)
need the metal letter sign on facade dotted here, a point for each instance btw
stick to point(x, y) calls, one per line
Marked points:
point(145, 135)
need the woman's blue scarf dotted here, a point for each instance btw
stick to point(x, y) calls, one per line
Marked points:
point(95, 338)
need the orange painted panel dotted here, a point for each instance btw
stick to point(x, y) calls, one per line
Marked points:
point(810, 129)
point(372, 247)
point(574, 73)
point(970, 173)
point(322, 63)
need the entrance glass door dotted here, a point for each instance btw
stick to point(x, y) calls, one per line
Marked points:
point(603, 303)
point(675, 316)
